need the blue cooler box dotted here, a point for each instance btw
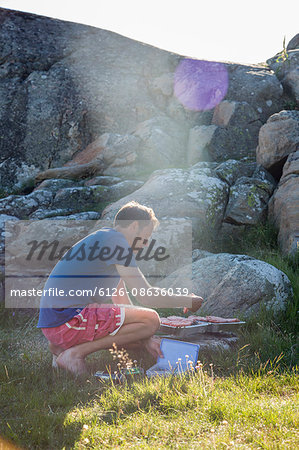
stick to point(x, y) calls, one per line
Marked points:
point(174, 351)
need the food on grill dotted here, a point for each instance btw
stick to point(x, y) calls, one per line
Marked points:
point(199, 319)
point(177, 321)
point(215, 319)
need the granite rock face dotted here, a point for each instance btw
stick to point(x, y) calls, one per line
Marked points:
point(65, 85)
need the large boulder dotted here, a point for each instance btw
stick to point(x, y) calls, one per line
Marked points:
point(195, 193)
point(284, 206)
point(232, 134)
point(235, 285)
point(256, 85)
point(237, 135)
point(277, 139)
point(77, 198)
point(248, 199)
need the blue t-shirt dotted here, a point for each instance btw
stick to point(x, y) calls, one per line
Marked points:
point(85, 274)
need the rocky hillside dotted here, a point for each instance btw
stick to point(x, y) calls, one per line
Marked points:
point(91, 119)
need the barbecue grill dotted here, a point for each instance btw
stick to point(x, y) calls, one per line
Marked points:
point(197, 329)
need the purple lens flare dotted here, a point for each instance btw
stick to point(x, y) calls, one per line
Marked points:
point(200, 85)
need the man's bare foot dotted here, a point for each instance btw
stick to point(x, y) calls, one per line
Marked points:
point(66, 360)
point(55, 350)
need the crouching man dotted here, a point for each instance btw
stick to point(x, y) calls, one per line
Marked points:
point(79, 327)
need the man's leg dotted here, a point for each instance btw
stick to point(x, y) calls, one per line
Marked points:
point(139, 323)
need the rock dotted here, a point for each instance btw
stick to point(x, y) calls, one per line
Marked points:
point(199, 254)
point(108, 151)
point(194, 193)
point(54, 185)
point(55, 119)
point(163, 142)
point(3, 218)
point(239, 119)
point(233, 134)
point(64, 84)
point(110, 148)
point(118, 190)
point(12, 111)
point(34, 247)
point(238, 114)
point(284, 206)
point(211, 165)
point(257, 86)
point(198, 143)
point(233, 285)
point(176, 111)
point(215, 342)
point(223, 113)
point(232, 169)
point(232, 143)
point(175, 236)
point(102, 180)
point(87, 215)
point(294, 43)
point(248, 201)
point(77, 198)
point(287, 71)
point(23, 205)
point(262, 174)
point(277, 139)
point(42, 213)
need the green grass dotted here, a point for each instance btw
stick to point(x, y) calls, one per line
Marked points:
point(246, 398)
point(248, 407)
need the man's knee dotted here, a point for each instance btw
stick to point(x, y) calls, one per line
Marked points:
point(153, 320)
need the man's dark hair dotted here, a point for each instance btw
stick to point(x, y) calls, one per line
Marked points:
point(134, 211)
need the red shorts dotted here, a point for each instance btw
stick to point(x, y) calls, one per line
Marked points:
point(90, 324)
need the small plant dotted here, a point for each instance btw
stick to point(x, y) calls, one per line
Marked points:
point(283, 55)
point(122, 355)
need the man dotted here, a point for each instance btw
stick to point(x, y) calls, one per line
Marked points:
point(79, 327)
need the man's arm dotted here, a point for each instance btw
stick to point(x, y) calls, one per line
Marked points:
point(121, 297)
point(151, 296)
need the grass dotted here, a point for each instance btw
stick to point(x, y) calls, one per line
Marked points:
point(246, 398)
point(246, 408)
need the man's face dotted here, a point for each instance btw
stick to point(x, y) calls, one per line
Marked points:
point(143, 233)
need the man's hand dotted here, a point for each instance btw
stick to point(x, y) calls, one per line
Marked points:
point(152, 345)
point(196, 304)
